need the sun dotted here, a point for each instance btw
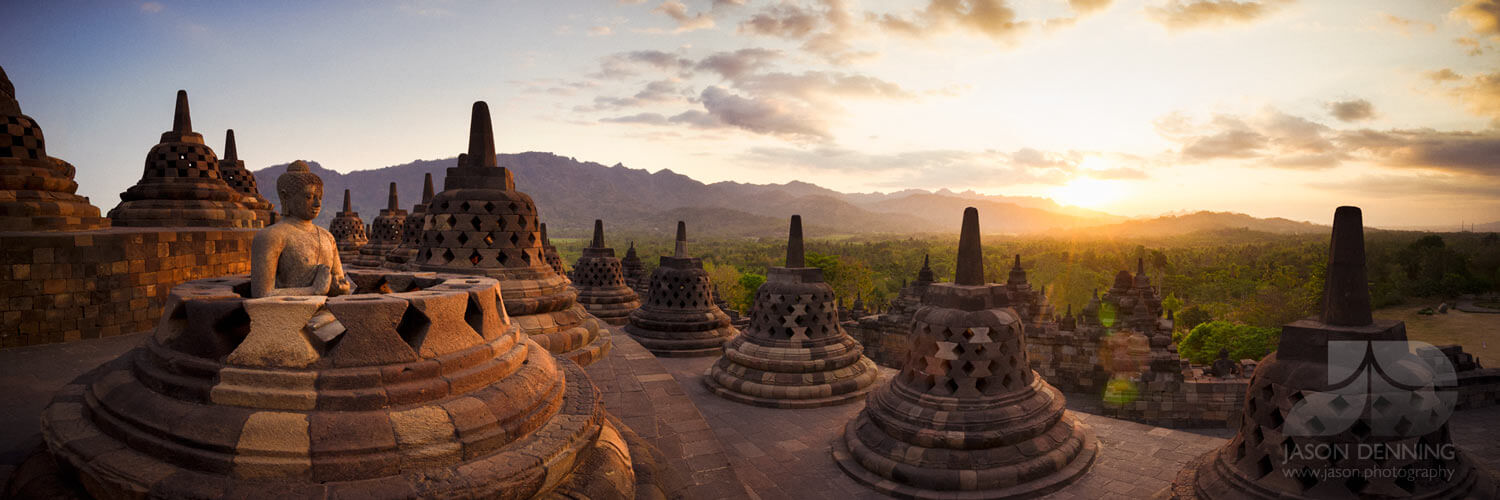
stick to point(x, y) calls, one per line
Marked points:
point(1088, 192)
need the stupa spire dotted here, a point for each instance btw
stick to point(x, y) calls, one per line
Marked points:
point(1140, 266)
point(182, 121)
point(681, 250)
point(392, 203)
point(481, 137)
point(427, 189)
point(970, 254)
point(545, 239)
point(598, 234)
point(1018, 262)
point(1346, 293)
point(794, 256)
point(231, 153)
point(347, 206)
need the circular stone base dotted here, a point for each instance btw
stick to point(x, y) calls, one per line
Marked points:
point(588, 354)
point(1030, 489)
point(835, 400)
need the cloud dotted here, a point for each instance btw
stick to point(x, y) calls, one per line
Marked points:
point(624, 64)
point(733, 65)
point(1462, 151)
point(827, 33)
point(942, 168)
point(1352, 110)
point(1188, 14)
point(678, 12)
point(992, 18)
point(1475, 48)
point(1483, 17)
point(1088, 6)
point(820, 86)
point(659, 91)
point(152, 7)
point(1407, 27)
point(1276, 138)
point(768, 116)
point(1481, 95)
point(600, 31)
point(1443, 75)
point(1437, 187)
point(782, 21)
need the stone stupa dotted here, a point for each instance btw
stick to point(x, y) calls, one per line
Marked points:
point(554, 259)
point(349, 231)
point(37, 192)
point(232, 170)
point(966, 417)
point(794, 354)
point(404, 255)
point(601, 284)
point(635, 272)
point(385, 233)
point(481, 225)
point(181, 187)
point(1343, 392)
point(680, 317)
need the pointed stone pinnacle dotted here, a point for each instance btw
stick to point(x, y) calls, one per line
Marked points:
point(681, 250)
point(1169, 314)
point(392, 203)
point(794, 257)
point(481, 137)
point(970, 253)
point(182, 121)
point(347, 207)
point(925, 260)
point(1346, 293)
point(545, 240)
point(1140, 266)
point(427, 189)
point(1018, 262)
point(231, 153)
point(1070, 309)
point(598, 234)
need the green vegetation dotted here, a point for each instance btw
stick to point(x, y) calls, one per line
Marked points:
point(1202, 344)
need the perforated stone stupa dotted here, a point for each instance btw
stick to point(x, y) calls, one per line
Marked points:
point(37, 192)
point(349, 231)
point(181, 185)
point(404, 255)
point(601, 284)
point(635, 272)
point(385, 232)
point(480, 225)
point(680, 317)
point(966, 417)
point(232, 170)
point(1344, 395)
point(794, 354)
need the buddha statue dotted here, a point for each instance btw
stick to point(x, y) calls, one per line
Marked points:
point(295, 256)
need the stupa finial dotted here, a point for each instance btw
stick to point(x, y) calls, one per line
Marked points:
point(598, 234)
point(794, 256)
point(427, 189)
point(182, 121)
point(392, 203)
point(481, 137)
point(347, 206)
point(970, 254)
point(231, 153)
point(1140, 266)
point(681, 250)
point(1018, 262)
point(545, 239)
point(1346, 293)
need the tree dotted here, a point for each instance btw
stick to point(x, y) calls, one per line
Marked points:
point(1171, 303)
point(1202, 344)
point(1191, 317)
point(727, 279)
point(749, 284)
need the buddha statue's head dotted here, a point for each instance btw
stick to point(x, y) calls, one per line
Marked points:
point(301, 192)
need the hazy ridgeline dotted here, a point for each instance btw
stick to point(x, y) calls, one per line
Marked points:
point(1256, 278)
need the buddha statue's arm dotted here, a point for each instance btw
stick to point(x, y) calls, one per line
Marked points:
point(265, 254)
point(340, 283)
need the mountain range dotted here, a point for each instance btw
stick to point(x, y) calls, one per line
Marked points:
point(571, 194)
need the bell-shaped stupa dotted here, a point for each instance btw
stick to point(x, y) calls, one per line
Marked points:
point(601, 284)
point(385, 233)
point(1345, 407)
point(181, 185)
point(404, 255)
point(680, 316)
point(635, 272)
point(554, 259)
point(348, 231)
point(481, 225)
point(37, 192)
point(794, 354)
point(232, 170)
point(966, 417)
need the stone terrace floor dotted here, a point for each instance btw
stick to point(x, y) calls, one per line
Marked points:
point(717, 448)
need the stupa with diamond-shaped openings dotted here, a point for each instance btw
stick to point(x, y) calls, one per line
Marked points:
point(680, 317)
point(404, 255)
point(232, 170)
point(600, 282)
point(966, 417)
point(37, 192)
point(385, 233)
point(348, 231)
point(793, 354)
point(479, 224)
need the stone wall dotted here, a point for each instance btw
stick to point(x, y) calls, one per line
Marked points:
point(1205, 401)
point(884, 336)
point(65, 286)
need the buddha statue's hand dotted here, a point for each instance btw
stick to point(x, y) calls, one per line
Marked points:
point(322, 279)
point(341, 286)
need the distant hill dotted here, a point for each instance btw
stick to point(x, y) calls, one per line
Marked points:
point(571, 194)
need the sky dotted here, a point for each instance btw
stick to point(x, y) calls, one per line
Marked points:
point(1275, 108)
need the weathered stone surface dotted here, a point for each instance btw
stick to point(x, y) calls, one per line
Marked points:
point(349, 231)
point(443, 327)
point(37, 192)
point(794, 354)
point(385, 233)
point(966, 417)
point(278, 333)
point(404, 256)
point(234, 173)
point(600, 282)
point(680, 317)
point(370, 336)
